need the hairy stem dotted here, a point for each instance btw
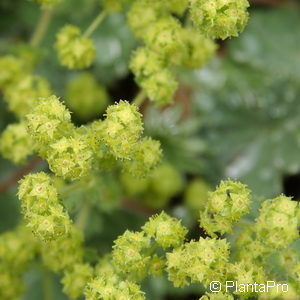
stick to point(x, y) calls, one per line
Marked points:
point(99, 19)
point(152, 249)
point(41, 27)
point(245, 223)
point(139, 99)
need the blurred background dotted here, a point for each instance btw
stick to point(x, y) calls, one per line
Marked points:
point(236, 118)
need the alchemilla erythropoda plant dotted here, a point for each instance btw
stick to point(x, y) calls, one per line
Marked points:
point(96, 161)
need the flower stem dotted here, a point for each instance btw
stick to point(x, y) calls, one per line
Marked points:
point(41, 27)
point(99, 19)
point(139, 99)
point(245, 223)
point(152, 249)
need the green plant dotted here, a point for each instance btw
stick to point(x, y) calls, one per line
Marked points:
point(92, 163)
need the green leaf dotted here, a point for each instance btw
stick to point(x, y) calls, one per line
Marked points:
point(181, 145)
point(248, 103)
point(271, 41)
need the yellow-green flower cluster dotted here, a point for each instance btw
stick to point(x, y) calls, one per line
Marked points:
point(197, 50)
point(167, 43)
point(15, 143)
point(153, 75)
point(164, 35)
point(49, 121)
point(198, 261)
point(196, 195)
point(21, 89)
point(160, 87)
point(277, 224)
point(44, 215)
point(66, 252)
point(146, 156)
point(289, 258)
point(134, 254)
point(107, 287)
point(247, 242)
point(17, 249)
point(219, 18)
point(145, 63)
point(246, 272)
point(11, 69)
point(226, 205)
point(74, 281)
point(70, 157)
point(107, 284)
point(276, 292)
point(130, 256)
point(121, 133)
point(71, 152)
point(75, 51)
point(157, 189)
point(11, 284)
point(123, 128)
point(25, 92)
point(151, 12)
point(295, 272)
point(86, 97)
point(166, 231)
point(166, 181)
point(68, 152)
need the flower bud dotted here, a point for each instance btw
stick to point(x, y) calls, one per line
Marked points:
point(277, 224)
point(160, 87)
point(164, 36)
point(145, 157)
point(197, 51)
point(151, 12)
point(11, 69)
point(145, 62)
point(219, 18)
point(49, 121)
point(165, 230)
point(122, 129)
point(85, 97)
point(129, 255)
point(74, 50)
point(111, 287)
point(41, 209)
point(202, 262)
point(75, 280)
point(23, 95)
point(228, 203)
point(15, 143)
